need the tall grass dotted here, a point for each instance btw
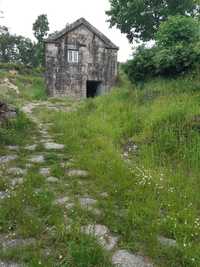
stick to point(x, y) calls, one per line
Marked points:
point(30, 88)
point(156, 191)
point(16, 131)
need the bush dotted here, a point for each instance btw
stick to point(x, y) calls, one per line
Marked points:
point(176, 51)
point(176, 60)
point(177, 29)
point(178, 45)
point(142, 65)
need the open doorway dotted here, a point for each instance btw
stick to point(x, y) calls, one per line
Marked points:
point(93, 88)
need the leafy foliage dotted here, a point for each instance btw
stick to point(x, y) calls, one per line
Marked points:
point(141, 19)
point(178, 29)
point(40, 29)
point(142, 65)
point(25, 49)
point(21, 50)
point(143, 190)
point(8, 42)
point(176, 51)
point(16, 49)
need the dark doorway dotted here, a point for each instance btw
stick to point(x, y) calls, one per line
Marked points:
point(93, 88)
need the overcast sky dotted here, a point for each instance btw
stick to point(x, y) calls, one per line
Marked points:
point(19, 16)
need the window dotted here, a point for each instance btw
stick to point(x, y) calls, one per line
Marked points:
point(72, 56)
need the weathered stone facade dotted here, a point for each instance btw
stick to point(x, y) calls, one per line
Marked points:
point(80, 61)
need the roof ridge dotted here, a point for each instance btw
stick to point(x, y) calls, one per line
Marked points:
point(77, 23)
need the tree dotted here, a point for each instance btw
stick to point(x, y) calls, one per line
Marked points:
point(25, 49)
point(140, 19)
point(40, 29)
point(16, 49)
point(178, 29)
point(176, 51)
point(178, 42)
point(8, 49)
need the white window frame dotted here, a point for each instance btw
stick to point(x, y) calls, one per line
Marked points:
point(73, 56)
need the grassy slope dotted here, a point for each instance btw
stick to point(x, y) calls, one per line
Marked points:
point(156, 192)
point(31, 214)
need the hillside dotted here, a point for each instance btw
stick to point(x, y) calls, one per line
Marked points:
point(105, 181)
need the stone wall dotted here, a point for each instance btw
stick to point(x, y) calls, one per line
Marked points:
point(96, 63)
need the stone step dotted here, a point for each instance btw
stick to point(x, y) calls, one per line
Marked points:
point(6, 159)
point(123, 258)
point(7, 243)
point(53, 146)
point(10, 264)
point(77, 173)
point(37, 159)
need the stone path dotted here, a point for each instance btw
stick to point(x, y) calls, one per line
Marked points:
point(6, 242)
point(7, 159)
point(103, 235)
point(10, 264)
point(123, 258)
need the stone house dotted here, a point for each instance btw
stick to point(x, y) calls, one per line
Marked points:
point(80, 61)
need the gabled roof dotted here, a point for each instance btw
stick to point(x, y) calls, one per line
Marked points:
point(75, 25)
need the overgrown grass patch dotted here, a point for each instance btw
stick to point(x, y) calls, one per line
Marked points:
point(155, 192)
point(16, 131)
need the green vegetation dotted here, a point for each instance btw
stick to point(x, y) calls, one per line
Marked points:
point(16, 131)
point(141, 19)
point(138, 148)
point(140, 144)
point(176, 51)
point(156, 191)
point(21, 50)
point(25, 85)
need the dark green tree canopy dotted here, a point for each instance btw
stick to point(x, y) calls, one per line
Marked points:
point(178, 29)
point(41, 28)
point(16, 49)
point(8, 49)
point(140, 19)
point(176, 51)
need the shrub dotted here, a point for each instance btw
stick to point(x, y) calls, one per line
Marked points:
point(142, 65)
point(176, 59)
point(178, 45)
point(176, 51)
point(177, 29)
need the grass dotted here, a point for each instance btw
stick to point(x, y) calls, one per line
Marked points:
point(16, 131)
point(31, 88)
point(152, 192)
point(30, 211)
point(156, 191)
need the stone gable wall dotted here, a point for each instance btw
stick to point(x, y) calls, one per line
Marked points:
point(96, 63)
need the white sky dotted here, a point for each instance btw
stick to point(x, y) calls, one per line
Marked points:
point(19, 16)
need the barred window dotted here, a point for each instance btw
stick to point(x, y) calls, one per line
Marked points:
point(73, 56)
